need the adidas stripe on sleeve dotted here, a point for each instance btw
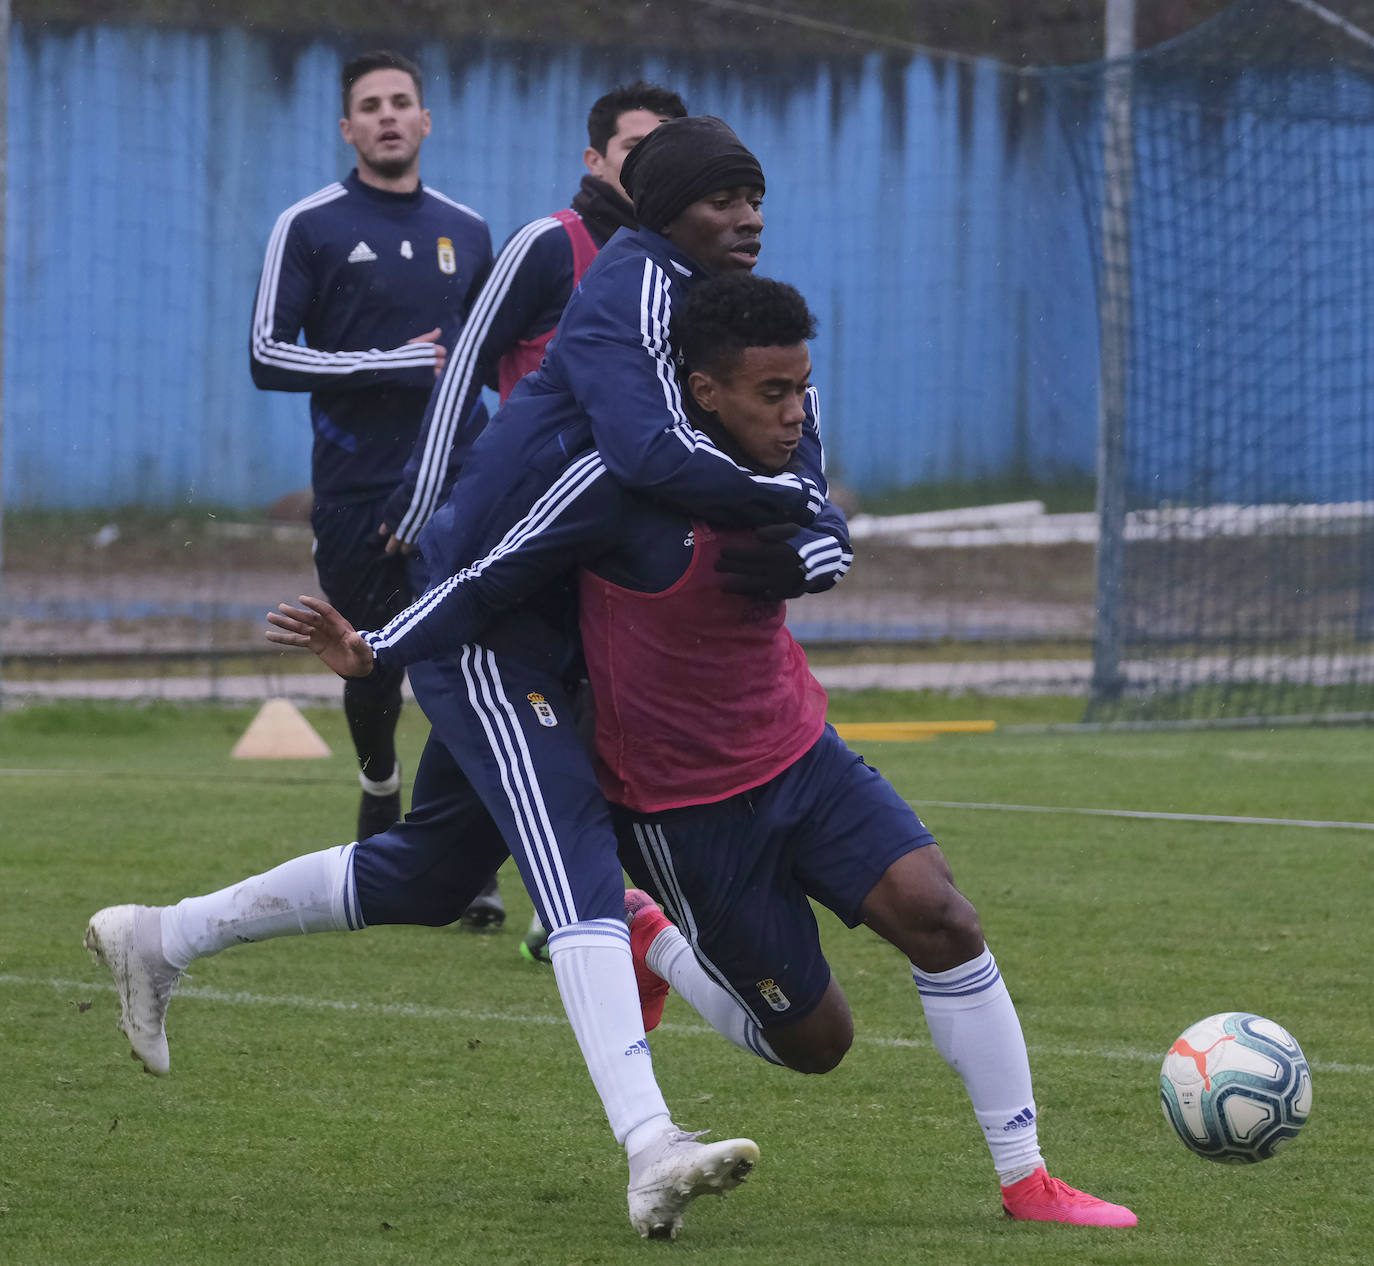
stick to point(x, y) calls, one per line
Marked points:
point(285, 290)
point(496, 320)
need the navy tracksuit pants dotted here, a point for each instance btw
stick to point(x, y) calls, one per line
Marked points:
point(504, 771)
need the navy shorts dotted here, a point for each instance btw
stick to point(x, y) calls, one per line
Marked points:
point(736, 876)
point(504, 769)
point(362, 581)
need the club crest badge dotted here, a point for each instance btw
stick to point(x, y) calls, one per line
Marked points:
point(448, 261)
point(407, 251)
point(542, 710)
point(772, 995)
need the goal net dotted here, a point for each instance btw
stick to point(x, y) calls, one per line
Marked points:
point(1227, 182)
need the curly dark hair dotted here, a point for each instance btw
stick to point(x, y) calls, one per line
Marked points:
point(732, 311)
point(604, 117)
point(378, 59)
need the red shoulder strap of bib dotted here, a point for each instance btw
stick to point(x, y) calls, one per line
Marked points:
point(583, 247)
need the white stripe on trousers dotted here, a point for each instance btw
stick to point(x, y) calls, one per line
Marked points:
point(521, 782)
point(657, 854)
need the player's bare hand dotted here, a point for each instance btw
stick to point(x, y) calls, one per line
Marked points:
point(440, 351)
point(394, 544)
point(316, 626)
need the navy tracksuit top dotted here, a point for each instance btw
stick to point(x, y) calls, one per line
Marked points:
point(608, 381)
point(360, 271)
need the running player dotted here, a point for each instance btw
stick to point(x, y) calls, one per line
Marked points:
point(736, 803)
point(375, 261)
point(504, 768)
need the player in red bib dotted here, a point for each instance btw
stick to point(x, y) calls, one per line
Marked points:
point(735, 804)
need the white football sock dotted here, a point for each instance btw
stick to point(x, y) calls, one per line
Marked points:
point(671, 956)
point(973, 1024)
point(313, 893)
point(383, 786)
point(596, 980)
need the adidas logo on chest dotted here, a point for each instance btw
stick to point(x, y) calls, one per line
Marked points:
point(361, 254)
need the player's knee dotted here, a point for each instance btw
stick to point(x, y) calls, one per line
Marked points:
point(917, 907)
point(815, 1056)
point(826, 1056)
point(950, 914)
point(818, 1043)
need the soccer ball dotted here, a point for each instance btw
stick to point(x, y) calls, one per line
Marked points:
point(1235, 1087)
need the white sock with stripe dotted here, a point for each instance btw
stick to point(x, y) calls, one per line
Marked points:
point(973, 1024)
point(671, 957)
point(313, 893)
point(596, 980)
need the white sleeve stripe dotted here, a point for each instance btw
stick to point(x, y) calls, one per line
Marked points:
point(311, 359)
point(273, 352)
point(655, 316)
point(813, 398)
point(271, 268)
point(655, 320)
point(457, 206)
point(457, 378)
point(836, 563)
point(785, 480)
point(822, 544)
point(562, 493)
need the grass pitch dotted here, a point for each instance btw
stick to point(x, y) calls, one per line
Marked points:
point(411, 1095)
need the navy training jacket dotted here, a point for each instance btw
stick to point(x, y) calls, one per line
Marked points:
point(360, 271)
point(608, 381)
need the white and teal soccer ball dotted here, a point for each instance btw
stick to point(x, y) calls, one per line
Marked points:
point(1236, 1087)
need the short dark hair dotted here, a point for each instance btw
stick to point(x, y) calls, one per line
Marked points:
point(604, 118)
point(378, 59)
point(730, 312)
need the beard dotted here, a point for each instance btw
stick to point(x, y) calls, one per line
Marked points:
point(392, 167)
point(388, 161)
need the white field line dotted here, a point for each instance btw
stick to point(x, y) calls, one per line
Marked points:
point(1148, 814)
point(414, 1011)
point(1144, 813)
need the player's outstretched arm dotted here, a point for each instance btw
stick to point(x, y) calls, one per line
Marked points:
point(787, 560)
point(318, 627)
point(576, 519)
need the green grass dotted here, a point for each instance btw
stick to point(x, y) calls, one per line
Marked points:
point(411, 1095)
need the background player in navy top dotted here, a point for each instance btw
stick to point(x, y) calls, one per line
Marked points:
point(514, 317)
point(379, 273)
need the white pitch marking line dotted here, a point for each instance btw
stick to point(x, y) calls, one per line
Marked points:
point(1143, 813)
point(924, 804)
point(415, 1011)
point(1223, 819)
